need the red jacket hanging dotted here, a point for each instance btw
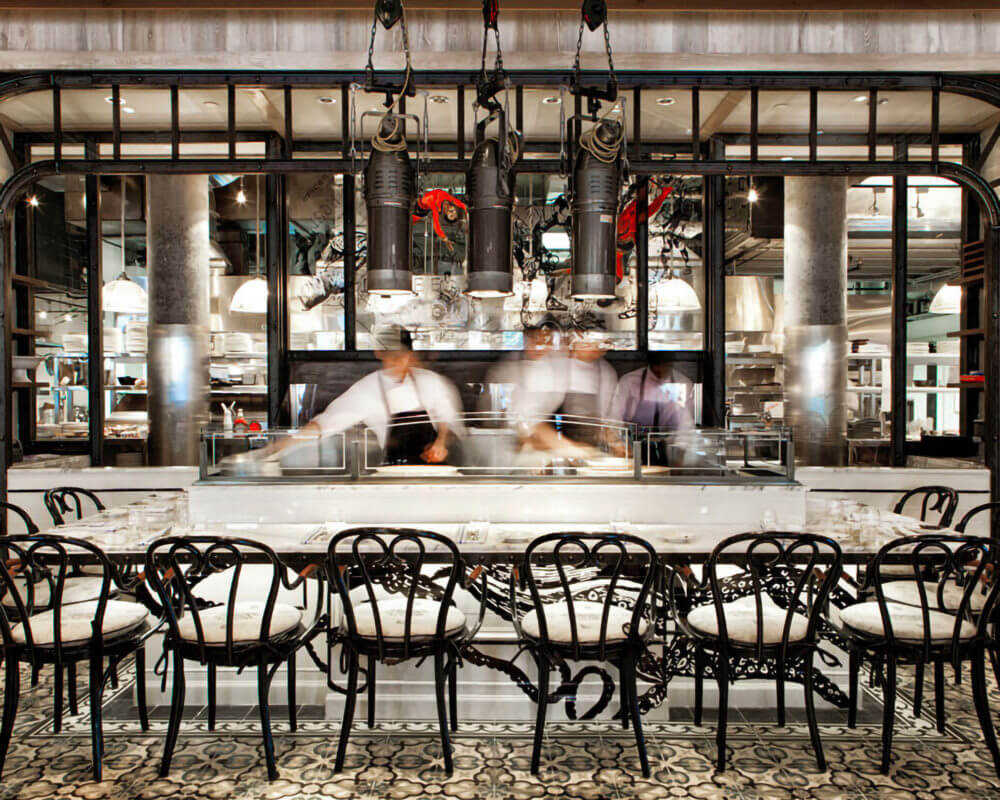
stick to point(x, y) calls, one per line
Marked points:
point(432, 202)
point(628, 221)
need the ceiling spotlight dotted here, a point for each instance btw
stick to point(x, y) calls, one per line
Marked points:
point(111, 99)
point(665, 101)
point(861, 98)
point(326, 100)
point(552, 100)
point(439, 99)
point(33, 200)
point(753, 195)
point(128, 109)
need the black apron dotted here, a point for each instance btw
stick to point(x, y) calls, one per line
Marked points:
point(409, 432)
point(646, 417)
point(580, 404)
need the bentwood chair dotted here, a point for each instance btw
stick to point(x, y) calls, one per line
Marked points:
point(246, 627)
point(940, 616)
point(940, 500)
point(985, 508)
point(766, 612)
point(25, 517)
point(45, 618)
point(63, 499)
point(396, 590)
point(590, 598)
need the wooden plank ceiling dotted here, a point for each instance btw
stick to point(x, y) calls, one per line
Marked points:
point(790, 6)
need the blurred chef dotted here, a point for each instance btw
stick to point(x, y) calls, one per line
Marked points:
point(654, 397)
point(552, 382)
point(412, 411)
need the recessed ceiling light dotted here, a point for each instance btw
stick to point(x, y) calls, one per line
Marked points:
point(779, 106)
point(861, 98)
point(128, 109)
point(43, 314)
point(883, 100)
point(438, 98)
point(786, 158)
point(552, 100)
point(210, 103)
point(665, 101)
point(326, 100)
point(111, 99)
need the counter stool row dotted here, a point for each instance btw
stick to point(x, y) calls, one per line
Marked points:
point(762, 597)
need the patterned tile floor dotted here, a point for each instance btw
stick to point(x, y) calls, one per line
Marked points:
point(585, 760)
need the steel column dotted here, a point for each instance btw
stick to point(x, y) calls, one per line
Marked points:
point(991, 317)
point(642, 265)
point(714, 259)
point(95, 313)
point(277, 292)
point(900, 230)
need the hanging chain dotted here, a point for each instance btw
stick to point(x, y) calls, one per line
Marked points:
point(612, 77)
point(370, 67)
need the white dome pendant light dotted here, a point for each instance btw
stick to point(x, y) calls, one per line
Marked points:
point(251, 297)
point(123, 295)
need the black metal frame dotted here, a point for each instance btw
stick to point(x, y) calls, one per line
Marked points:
point(704, 159)
point(945, 500)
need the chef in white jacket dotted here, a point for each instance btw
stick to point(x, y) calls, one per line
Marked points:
point(412, 411)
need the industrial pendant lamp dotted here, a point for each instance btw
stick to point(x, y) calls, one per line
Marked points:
point(251, 297)
point(948, 300)
point(676, 295)
point(123, 295)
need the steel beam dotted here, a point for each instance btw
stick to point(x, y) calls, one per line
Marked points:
point(900, 244)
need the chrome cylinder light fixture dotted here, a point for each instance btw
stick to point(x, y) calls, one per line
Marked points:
point(390, 195)
point(597, 179)
point(490, 184)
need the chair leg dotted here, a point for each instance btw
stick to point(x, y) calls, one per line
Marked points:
point(983, 707)
point(140, 687)
point(630, 680)
point(888, 711)
point(349, 701)
point(212, 695)
point(113, 666)
point(939, 695)
point(71, 688)
point(720, 734)
point(811, 713)
point(57, 698)
point(453, 694)
point(372, 665)
point(543, 697)
point(854, 658)
point(699, 683)
point(263, 685)
point(779, 690)
point(96, 723)
point(439, 680)
point(293, 718)
point(995, 661)
point(626, 703)
point(176, 712)
point(918, 687)
point(12, 689)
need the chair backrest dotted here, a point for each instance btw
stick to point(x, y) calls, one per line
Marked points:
point(934, 499)
point(29, 523)
point(175, 565)
point(982, 509)
point(967, 563)
point(617, 570)
point(62, 499)
point(33, 581)
point(796, 571)
point(366, 563)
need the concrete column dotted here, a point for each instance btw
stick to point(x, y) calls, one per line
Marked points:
point(816, 318)
point(177, 241)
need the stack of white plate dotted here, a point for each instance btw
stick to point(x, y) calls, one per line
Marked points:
point(74, 342)
point(112, 340)
point(135, 336)
point(238, 343)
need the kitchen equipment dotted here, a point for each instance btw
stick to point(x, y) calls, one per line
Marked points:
point(21, 365)
point(249, 465)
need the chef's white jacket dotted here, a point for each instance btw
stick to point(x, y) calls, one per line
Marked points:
point(542, 386)
point(366, 403)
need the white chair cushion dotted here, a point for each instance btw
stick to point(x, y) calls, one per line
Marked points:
point(741, 621)
point(76, 622)
point(77, 589)
point(588, 616)
point(907, 622)
point(247, 621)
point(908, 592)
point(392, 616)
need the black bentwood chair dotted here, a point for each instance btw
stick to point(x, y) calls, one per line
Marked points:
point(591, 596)
point(63, 499)
point(29, 523)
point(43, 621)
point(941, 500)
point(250, 628)
point(396, 587)
point(942, 615)
point(768, 611)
